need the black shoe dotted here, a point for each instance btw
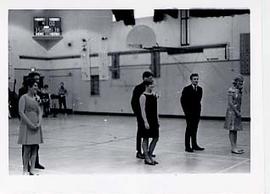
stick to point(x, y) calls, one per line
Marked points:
point(189, 150)
point(149, 163)
point(153, 155)
point(140, 155)
point(198, 148)
point(32, 174)
point(39, 166)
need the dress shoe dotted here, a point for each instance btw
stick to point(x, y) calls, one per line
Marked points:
point(149, 162)
point(189, 150)
point(140, 155)
point(39, 166)
point(32, 174)
point(237, 151)
point(198, 148)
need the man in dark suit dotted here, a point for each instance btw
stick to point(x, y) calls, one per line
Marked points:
point(22, 90)
point(135, 104)
point(191, 104)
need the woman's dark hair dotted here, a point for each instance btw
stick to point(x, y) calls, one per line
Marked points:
point(33, 74)
point(30, 82)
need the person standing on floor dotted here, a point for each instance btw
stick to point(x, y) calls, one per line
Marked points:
point(45, 98)
point(36, 77)
point(233, 114)
point(191, 104)
point(30, 133)
point(62, 92)
point(150, 125)
point(135, 104)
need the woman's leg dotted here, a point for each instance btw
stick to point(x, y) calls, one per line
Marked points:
point(152, 148)
point(26, 158)
point(145, 146)
point(34, 149)
point(233, 140)
point(147, 159)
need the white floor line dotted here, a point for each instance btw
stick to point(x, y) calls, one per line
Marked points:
point(18, 171)
point(233, 166)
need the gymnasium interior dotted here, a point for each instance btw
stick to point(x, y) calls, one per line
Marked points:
point(100, 55)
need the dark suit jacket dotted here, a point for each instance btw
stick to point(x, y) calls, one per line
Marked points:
point(191, 100)
point(135, 100)
point(22, 91)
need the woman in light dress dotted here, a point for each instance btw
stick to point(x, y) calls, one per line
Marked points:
point(233, 115)
point(30, 133)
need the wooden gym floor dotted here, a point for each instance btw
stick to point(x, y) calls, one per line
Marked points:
point(87, 144)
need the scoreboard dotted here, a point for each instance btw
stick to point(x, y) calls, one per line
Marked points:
point(47, 26)
point(55, 25)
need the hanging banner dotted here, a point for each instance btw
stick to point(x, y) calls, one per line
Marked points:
point(103, 62)
point(85, 62)
point(11, 76)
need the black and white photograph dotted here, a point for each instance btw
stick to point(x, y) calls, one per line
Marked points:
point(142, 93)
point(168, 93)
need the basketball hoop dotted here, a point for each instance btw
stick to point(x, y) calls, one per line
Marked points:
point(141, 37)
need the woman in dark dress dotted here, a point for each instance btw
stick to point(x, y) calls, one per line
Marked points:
point(150, 127)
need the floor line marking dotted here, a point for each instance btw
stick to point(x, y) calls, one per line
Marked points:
point(233, 166)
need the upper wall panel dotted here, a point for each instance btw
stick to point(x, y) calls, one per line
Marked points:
point(91, 25)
